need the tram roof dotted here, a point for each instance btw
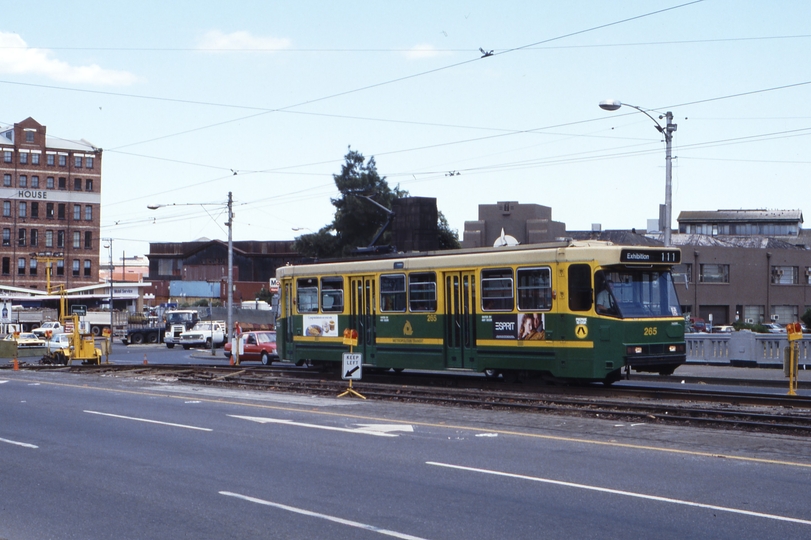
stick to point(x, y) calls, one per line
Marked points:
point(563, 251)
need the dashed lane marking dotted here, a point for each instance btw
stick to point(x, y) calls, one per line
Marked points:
point(24, 445)
point(148, 421)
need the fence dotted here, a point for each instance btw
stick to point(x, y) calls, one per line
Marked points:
point(743, 348)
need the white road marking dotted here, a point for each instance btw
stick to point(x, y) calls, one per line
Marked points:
point(387, 428)
point(24, 445)
point(362, 430)
point(148, 421)
point(342, 521)
point(1, 382)
point(625, 493)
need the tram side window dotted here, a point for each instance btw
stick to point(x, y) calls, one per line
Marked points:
point(580, 293)
point(422, 291)
point(497, 290)
point(307, 295)
point(393, 292)
point(534, 288)
point(332, 294)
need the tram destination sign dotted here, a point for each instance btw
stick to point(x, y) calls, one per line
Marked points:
point(651, 256)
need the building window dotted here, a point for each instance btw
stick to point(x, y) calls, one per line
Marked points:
point(714, 273)
point(6, 208)
point(785, 275)
point(6, 180)
point(29, 136)
point(35, 210)
point(21, 266)
point(393, 292)
point(88, 213)
point(23, 158)
point(88, 162)
point(49, 159)
point(60, 267)
point(63, 184)
point(6, 266)
point(88, 240)
point(497, 290)
point(77, 162)
point(23, 210)
point(60, 239)
point(49, 239)
point(63, 160)
point(32, 267)
point(88, 184)
point(60, 211)
point(77, 212)
point(21, 237)
point(6, 237)
point(35, 182)
point(77, 184)
point(7, 156)
point(49, 210)
point(23, 181)
point(86, 268)
point(34, 237)
point(75, 268)
point(49, 182)
point(77, 239)
point(784, 314)
point(35, 158)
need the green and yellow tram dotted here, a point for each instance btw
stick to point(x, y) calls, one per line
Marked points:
point(566, 311)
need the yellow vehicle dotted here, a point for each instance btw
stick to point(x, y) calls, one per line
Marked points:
point(82, 345)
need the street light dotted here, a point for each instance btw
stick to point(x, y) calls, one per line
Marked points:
point(229, 224)
point(667, 131)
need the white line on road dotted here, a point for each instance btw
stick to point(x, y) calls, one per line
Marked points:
point(381, 430)
point(342, 521)
point(24, 445)
point(625, 493)
point(149, 421)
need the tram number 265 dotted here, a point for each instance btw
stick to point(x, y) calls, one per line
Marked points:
point(650, 331)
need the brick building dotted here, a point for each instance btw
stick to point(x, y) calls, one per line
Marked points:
point(50, 196)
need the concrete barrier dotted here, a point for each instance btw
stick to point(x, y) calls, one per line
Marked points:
point(743, 349)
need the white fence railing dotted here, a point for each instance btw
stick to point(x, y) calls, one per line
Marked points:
point(743, 348)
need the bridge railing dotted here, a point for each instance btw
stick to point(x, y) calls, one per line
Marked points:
point(743, 348)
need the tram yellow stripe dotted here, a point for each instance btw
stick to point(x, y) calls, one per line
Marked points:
point(409, 341)
point(544, 343)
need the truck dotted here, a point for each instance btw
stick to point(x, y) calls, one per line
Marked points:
point(100, 321)
point(21, 319)
point(204, 333)
point(142, 329)
point(54, 327)
point(177, 322)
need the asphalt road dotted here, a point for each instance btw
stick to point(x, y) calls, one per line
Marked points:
point(96, 457)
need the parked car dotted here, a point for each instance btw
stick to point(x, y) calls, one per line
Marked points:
point(25, 340)
point(202, 335)
point(256, 346)
point(58, 341)
point(722, 329)
point(55, 327)
point(775, 328)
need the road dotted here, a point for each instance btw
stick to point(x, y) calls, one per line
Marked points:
point(92, 457)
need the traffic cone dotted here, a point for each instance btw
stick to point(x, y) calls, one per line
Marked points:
point(145, 362)
point(16, 365)
point(231, 359)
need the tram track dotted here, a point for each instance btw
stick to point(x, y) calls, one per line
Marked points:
point(651, 404)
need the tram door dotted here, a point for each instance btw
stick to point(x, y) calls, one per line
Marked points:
point(460, 324)
point(362, 312)
point(287, 309)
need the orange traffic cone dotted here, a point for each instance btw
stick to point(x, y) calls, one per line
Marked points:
point(231, 359)
point(145, 362)
point(16, 365)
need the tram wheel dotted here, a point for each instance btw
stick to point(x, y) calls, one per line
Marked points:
point(492, 373)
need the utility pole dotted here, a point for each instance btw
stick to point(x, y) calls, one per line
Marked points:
point(230, 297)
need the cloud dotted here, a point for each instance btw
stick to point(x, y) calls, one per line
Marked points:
point(418, 52)
point(19, 59)
point(218, 41)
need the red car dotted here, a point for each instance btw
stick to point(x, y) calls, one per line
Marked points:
point(256, 346)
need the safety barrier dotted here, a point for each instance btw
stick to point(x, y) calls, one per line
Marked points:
point(743, 348)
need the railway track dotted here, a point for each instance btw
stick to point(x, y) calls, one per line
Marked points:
point(716, 409)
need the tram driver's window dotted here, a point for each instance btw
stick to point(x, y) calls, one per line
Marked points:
point(393, 292)
point(332, 294)
point(422, 291)
point(580, 293)
point(307, 295)
point(534, 288)
point(497, 290)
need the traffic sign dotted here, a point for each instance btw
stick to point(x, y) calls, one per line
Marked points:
point(78, 309)
point(352, 366)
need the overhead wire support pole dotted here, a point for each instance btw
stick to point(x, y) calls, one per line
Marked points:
point(230, 307)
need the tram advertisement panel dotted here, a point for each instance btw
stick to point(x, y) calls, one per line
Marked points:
point(524, 326)
point(321, 325)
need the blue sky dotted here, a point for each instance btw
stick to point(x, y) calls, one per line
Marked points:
point(181, 94)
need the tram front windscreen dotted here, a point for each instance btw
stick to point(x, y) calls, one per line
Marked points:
point(632, 293)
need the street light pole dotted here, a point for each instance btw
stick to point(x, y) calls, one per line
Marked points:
point(667, 131)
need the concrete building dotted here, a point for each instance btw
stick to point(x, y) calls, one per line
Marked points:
point(51, 195)
point(511, 222)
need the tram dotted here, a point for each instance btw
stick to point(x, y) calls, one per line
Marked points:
point(571, 311)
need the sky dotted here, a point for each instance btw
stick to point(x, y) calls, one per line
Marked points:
point(468, 102)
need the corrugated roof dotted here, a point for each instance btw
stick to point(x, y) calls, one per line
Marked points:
point(719, 216)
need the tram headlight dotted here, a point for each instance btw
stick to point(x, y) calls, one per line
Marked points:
point(633, 350)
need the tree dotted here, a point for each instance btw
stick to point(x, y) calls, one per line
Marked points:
point(357, 220)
